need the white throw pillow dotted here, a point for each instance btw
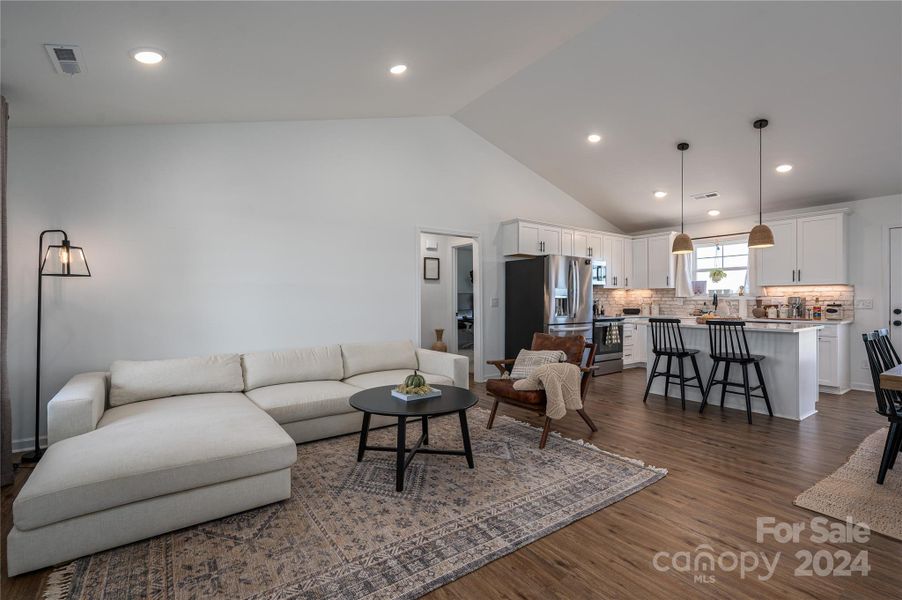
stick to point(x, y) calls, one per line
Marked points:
point(528, 360)
point(136, 380)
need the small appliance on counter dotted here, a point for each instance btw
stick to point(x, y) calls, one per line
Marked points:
point(833, 312)
point(631, 311)
point(796, 307)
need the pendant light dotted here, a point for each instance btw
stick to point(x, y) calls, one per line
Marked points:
point(682, 243)
point(760, 236)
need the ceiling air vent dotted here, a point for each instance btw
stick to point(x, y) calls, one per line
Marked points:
point(705, 196)
point(66, 59)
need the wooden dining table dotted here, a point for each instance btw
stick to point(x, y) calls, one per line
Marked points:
point(892, 379)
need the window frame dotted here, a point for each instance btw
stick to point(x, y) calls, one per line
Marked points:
point(721, 242)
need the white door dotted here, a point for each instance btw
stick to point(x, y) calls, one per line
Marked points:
point(550, 239)
point(528, 239)
point(778, 263)
point(640, 264)
point(820, 246)
point(895, 286)
point(595, 248)
point(567, 242)
point(627, 263)
point(580, 243)
point(659, 262)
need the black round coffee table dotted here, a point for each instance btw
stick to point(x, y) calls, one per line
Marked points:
point(379, 401)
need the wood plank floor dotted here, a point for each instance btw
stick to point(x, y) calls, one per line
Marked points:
point(723, 473)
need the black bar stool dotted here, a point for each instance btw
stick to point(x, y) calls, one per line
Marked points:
point(667, 340)
point(730, 346)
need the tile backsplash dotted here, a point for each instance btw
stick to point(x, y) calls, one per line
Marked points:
point(668, 304)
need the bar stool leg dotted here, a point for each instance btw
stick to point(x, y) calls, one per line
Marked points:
point(708, 387)
point(723, 386)
point(682, 383)
point(667, 379)
point(698, 376)
point(748, 392)
point(763, 389)
point(651, 378)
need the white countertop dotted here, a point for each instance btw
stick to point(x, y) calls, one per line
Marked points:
point(756, 325)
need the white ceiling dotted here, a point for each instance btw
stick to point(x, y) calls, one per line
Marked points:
point(534, 78)
point(827, 75)
point(265, 61)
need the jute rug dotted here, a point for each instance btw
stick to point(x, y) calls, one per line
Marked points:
point(852, 490)
point(345, 533)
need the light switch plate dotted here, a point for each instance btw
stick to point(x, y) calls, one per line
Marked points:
point(494, 302)
point(864, 303)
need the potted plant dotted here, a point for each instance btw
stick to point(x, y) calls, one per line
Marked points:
point(717, 275)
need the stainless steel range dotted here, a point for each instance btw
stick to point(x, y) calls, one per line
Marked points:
point(608, 335)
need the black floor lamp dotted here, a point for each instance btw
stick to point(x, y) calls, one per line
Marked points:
point(63, 260)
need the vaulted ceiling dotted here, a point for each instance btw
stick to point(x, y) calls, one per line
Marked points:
point(534, 78)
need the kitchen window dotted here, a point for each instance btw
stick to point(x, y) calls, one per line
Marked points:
point(731, 256)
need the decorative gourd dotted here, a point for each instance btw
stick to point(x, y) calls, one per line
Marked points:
point(414, 384)
point(414, 381)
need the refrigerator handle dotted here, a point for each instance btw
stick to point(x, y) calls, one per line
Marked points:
point(576, 288)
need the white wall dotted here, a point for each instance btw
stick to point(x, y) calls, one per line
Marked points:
point(868, 248)
point(248, 236)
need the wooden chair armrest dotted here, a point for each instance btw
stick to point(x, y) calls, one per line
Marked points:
point(500, 364)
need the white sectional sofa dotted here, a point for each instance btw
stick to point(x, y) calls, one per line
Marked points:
point(154, 446)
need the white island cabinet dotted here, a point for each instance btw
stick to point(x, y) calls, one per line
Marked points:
point(790, 368)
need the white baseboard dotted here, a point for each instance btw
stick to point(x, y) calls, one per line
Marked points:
point(862, 387)
point(27, 444)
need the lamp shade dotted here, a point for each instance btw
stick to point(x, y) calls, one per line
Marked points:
point(682, 244)
point(761, 237)
point(65, 260)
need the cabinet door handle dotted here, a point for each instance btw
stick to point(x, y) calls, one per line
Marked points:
point(627, 282)
point(793, 274)
point(668, 279)
point(800, 274)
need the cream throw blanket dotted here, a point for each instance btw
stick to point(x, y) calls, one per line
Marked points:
point(561, 384)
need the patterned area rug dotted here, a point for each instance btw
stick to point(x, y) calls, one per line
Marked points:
point(852, 490)
point(345, 533)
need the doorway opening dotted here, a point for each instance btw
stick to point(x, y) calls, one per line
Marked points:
point(895, 286)
point(449, 291)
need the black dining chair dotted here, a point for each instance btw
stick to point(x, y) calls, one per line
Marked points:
point(729, 346)
point(889, 403)
point(885, 344)
point(667, 340)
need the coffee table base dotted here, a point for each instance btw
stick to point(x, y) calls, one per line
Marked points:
point(404, 454)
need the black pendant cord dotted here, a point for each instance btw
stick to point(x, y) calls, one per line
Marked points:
point(760, 177)
point(682, 225)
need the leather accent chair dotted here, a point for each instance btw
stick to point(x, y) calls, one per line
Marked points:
point(502, 390)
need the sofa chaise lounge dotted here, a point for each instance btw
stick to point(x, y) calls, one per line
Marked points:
point(154, 446)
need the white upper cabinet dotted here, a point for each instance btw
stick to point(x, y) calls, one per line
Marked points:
point(531, 239)
point(639, 277)
point(612, 253)
point(567, 242)
point(595, 245)
point(627, 263)
point(580, 243)
point(821, 249)
point(778, 263)
point(807, 251)
point(660, 261)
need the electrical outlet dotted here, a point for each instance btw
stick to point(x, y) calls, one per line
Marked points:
point(864, 303)
point(678, 301)
point(494, 302)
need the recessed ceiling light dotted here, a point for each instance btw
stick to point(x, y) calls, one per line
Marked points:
point(660, 194)
point(784, 168)
point(713, 212)
point(148, 56)
point(397, 69)
point(594, 138)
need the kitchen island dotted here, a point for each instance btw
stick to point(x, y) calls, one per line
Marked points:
point(790, 367)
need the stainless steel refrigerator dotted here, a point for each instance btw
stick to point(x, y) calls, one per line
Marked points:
point(550, 294)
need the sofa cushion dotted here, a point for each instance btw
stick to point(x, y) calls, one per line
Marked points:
point(289, 402)
point(135, 380)
point(393, 377)
point(152, 448)
point(319, 363)
point(382, 356)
